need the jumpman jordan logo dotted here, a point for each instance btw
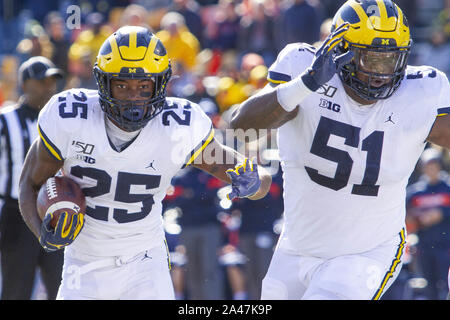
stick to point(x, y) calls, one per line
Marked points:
point(389, 119)
point(146, 256)
point(151, 165)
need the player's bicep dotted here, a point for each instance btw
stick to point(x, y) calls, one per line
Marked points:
point(262, 111)
point(39, 165)
point(440, 132)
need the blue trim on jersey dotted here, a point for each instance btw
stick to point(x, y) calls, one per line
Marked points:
point(51, 148)
point(443, 111)
point(278, 77)
point(202, 145)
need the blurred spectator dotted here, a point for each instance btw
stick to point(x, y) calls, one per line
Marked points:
point(36, 42)
point(300, 22)
point(436, 53)
point(189, 9)
point(207, 2)
point(55, 28)
point(234, 261)
point(258, 77)
point(8, 78)
point(154, 4)
point(409, 8)
point(330, 7)
point(231, 258)
point(91, 39)
point(231, 92)
point(81, 72)
point(134, 15)
point(181, 45)
point(443, 19)
point(257, 33)
point(236, 85)
point(428, 215)
point(39, 9)
point(11, 30)
point(249, 61)
point(224, 30)
point(201, 234)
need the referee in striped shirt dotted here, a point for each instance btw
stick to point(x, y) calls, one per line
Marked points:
point(21, 253)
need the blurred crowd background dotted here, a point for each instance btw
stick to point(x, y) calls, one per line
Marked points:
point(220, 52)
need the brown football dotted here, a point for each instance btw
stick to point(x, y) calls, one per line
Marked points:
point(59, 194)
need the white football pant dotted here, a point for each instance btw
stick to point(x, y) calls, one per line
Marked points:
point(142, 276)
point(361, 276)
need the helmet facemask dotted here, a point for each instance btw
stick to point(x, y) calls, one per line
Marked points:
point(132, 115)
point(375, 72)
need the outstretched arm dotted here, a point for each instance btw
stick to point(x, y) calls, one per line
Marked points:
point(275, 105)
point(225, 159)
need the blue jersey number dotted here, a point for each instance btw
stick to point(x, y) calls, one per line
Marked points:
point(431, 73)
point(122, 193)
point(184, 120)
point(372, 144)
point(77, 108)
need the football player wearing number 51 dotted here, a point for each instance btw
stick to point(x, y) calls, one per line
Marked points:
point(353, 119)
point(123, 144)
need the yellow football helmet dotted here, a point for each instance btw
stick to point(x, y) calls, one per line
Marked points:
point(132, 53)
point(380, 40)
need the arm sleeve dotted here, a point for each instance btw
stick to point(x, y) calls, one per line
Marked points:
point(201, 135)
point(190, 130)
point(53, 129)
point(291, 61)
point(443, 105)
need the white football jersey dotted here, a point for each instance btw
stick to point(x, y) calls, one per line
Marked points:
point(346, 166)
point(123, 189)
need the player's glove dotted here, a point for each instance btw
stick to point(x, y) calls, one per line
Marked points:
point(245, 180)
point(326, 63)
point(55, 239)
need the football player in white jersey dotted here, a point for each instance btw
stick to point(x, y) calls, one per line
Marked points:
point(123, 144)
point(352, 121)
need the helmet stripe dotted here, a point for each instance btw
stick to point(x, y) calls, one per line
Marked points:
point(388, 16)
point(359, 10)
point(133, 40)
point(383, 12)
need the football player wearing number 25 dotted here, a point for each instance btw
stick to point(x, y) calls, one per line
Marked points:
point(352, 119)
point(123, 144)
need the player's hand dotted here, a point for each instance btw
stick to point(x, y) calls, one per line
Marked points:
point(245, 180)
point(326, 64)
point(55, 239)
